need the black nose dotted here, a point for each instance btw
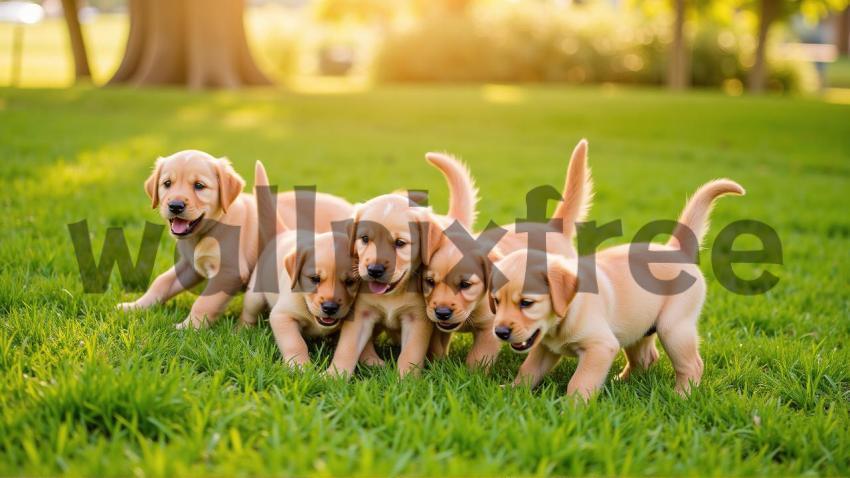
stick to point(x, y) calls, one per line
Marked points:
point(503, 332)
point(443, 313)
point(376, 270)
point(330, 307)
point(176, 206)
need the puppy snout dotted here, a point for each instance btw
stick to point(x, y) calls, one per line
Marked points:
point(443, 313)
point(176, 206)
point(376, 270)
point(330, 307)
point(503, 332)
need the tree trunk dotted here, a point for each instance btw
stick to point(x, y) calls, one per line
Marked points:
point(677, 70)
point(196, 43)
point(842, 32)
point(769, 9)
point(78, 44)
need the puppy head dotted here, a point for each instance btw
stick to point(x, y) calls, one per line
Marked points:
point(331, 282)
point(391, 238)
point(454, 286)
point(192, 185)
point(535, 296)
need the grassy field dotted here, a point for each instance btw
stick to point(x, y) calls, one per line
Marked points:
point(85, 390)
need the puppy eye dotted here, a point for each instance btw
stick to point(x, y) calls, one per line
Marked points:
point(199, 186)
point(525, 303)
point(315, 279)
point(399, 243)
point(167, 183)
point(365, 239)
point(429, 281)
point(464, 284)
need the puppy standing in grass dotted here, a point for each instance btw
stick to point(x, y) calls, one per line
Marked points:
point(311, 301)
point(391, 239)
point(456, 289)
point(541, 311)
point(201, 198)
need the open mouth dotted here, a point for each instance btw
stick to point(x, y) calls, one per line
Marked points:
point(327, 321)
point(527, 344)
point(447, 327)
point(183, 227)
point(381, 288)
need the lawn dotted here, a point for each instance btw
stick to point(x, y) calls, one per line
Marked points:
point(85, 390)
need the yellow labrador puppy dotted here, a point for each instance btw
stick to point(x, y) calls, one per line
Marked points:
point(540, 309)
point(201, 198)
point(456, 282)
point(392, 237)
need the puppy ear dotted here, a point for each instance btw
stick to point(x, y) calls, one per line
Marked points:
point(430, 235)
point(152, 183)
point(230, 184)
point(351, 230)
point(293, 263)
point(563, 286)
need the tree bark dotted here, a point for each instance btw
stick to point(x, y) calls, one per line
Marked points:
point(769, 10)
point(78, 44)
point(677, 69)
point(197, 43)
point(842, 32)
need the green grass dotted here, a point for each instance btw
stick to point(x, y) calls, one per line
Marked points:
point(838, 73)
point(85, 390)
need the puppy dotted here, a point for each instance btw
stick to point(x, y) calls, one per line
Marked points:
point(201, 198)
point(391, 238)
point(541, 311)
point(456, 288)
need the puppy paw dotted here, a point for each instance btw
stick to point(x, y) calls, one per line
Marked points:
point(190, 323)
point(128, 306)
point(372, 361)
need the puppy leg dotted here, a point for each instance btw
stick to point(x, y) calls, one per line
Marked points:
point(353, 337)
point(639, 356)
point(538, 363)
point(416, 332)
point(170, 283)
point(369, 357)
point(287, 334)
point(206, 310)
point(253, 305)
point(485, 349)
point(438, 346)
point(594, 362)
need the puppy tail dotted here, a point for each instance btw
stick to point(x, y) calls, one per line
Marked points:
point(695, 216)
point(266, 201)
point(578, 191)
point(463, 195)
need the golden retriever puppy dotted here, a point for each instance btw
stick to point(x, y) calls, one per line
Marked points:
point(392, 237)
point(540, 309)
point(456, 278)
point(216, 228)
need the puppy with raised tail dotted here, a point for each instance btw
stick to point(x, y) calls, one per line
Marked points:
point(540, 309)
point(391, 238)
point(316, 286)
point(201, 198)
point(456, 283)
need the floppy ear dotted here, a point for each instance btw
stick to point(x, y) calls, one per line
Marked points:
point(430, 234)
point(152, 183)
point(230, 184)
point(487, 264)
point(563, 286)
point(293, 263)
point(351, 230)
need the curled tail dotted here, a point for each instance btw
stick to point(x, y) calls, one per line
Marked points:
point(694, 217)
point(578, 191)
point(266, 202)
point(463, 195)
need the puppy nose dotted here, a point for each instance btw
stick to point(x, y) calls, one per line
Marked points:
point(376, 270)
point(503, 332)
point(176, 206)
point(443, 313)
point(330, 307)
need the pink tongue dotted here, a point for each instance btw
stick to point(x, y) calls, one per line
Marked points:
point(378, 287)
point(179, 226)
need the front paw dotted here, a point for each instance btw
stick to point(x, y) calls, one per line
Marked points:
point(128, 306)
point(191, 323)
